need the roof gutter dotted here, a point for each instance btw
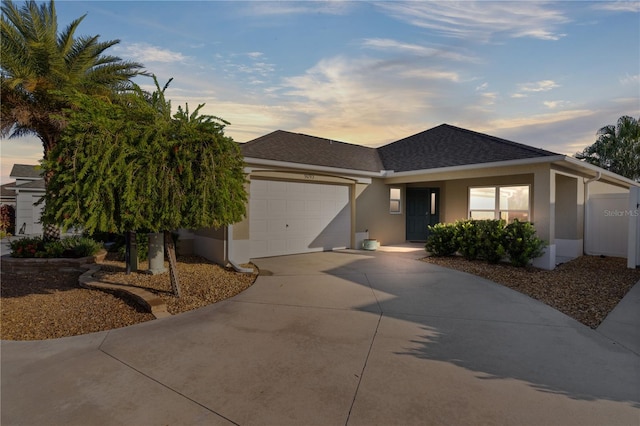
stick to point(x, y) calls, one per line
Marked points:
point(593, 179)
point(600, 172)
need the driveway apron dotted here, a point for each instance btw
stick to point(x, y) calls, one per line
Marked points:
point(334, 338)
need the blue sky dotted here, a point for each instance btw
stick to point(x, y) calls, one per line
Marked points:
point(547, 74)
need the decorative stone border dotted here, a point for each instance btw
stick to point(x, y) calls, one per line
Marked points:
point(21, 265)
point(150, 301)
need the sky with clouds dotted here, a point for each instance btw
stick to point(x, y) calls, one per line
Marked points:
point(547, 74)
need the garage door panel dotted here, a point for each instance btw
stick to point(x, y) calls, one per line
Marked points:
point(296, 227)
point(313, 206)
point(275, 227)
point(296, 207)
point(258, 189)
point(276, 207)
point(318, 217)
point(258, 206)
point(259, 226)
point(297, 187)
point(313, 224)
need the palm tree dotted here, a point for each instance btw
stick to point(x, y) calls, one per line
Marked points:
point(39, 67)
point(617, 148)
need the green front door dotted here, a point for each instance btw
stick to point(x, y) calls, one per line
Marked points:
point(423, 209)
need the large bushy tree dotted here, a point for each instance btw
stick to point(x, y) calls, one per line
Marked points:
point(40, 66)
point(617, 148)
point(129, 164)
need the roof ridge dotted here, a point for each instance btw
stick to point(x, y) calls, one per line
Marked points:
point(496, 138)
point(259, 138)
point(329, 139)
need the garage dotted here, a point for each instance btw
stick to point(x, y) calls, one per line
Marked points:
point(287, 217)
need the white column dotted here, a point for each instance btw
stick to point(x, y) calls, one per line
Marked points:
point(633, 244)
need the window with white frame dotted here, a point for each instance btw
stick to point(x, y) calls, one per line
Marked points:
point(395, 201)
point(500, 202)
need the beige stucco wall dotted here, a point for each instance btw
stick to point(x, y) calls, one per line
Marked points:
point(569, 207)
point(372, 213)
point(210, 243)
point(216, 233)
point(598, 187)
point(241, 229)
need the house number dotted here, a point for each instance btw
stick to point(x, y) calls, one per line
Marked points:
point(310, 177)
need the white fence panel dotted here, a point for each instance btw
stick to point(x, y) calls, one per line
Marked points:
point(607, 225)
point(633, 257)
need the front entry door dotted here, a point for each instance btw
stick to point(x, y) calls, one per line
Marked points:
point(423, 209)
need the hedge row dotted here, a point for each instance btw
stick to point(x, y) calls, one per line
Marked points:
point(491, 240)
point(70, 247)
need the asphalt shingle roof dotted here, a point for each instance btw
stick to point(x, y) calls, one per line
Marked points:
point(441, 146)
point(26, 171)
point(446, 146)
point(5, 191)
point(305, 149)
point(35, 184)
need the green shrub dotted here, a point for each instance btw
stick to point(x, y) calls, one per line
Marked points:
point(441, 240)
point(490, 240)
point(466, 236)
point(80, 246)
point(521, 243)
point(53, 249)
point(73, 247)
point(27, 247)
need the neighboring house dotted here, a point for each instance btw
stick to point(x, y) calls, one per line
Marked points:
point(312, 194)
point(7, 194)
point(28, 189)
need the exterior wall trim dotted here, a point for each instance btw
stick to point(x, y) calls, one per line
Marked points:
point(475, 166)
point(300, 166)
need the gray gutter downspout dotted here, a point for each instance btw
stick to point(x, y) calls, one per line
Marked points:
point(233, 264)
point(586, 209)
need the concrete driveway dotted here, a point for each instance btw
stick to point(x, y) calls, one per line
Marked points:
point(335, 338)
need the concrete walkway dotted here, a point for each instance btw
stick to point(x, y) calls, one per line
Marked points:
point(336, 338)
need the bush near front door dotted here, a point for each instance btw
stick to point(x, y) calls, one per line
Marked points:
point(491, 240)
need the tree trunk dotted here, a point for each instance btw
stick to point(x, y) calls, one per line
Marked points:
point(131, 252)
point(170, 248)
point(50, 231)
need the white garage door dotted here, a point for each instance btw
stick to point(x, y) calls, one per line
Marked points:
point(297, 217)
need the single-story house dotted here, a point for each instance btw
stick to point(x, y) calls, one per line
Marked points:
point(311, 194)
point(28, 189)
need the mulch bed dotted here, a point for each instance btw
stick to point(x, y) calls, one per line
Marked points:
point(586, 288)
point(52, 305)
